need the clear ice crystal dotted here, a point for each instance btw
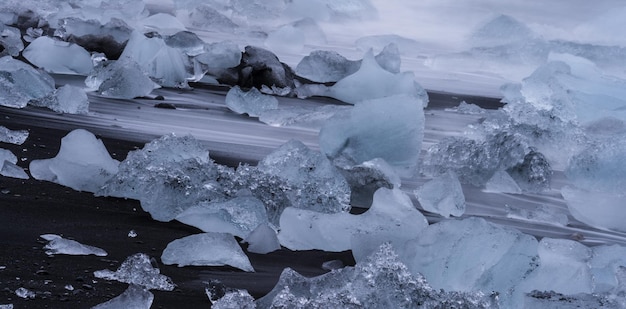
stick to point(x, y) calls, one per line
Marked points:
point(442, 195)
point(67, 99)
point(17, 137)
point(138, 269)
point(20, 83)
point(251, 102)
point(121, 79)
point(134, 297)
point(502, 182)
point(59, 245)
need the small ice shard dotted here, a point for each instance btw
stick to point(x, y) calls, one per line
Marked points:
point(380, 281)
point(501, 182)
point(121, 79)
point(469, 109)
point(9, 169)
point(83, 163)
point(132, 234)
point(162, 23)
point(138, 269)
point(58, 57)
point(20, 83)
point(16, 137)
point(25, 293)
point(59, 245)
point(207, 249)
point(325, 66)
point(262, 240)
point(238, 299)
point(261, 67)
point(69, 287)
point(251, 102)
point(205, 16)
point(221, 55)
point(442, 195)
point(68, 99)
point(238, 216)
point(392, 217)
point(320, 186)
point(10, 41)
point(542, 213)
point(389, 128)
point(598, 209)
point(135, 297)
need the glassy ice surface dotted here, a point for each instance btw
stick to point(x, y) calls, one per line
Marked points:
point(542, 213)
point(262, 240)
point(599, 209)
point(251, 102)
point(121, 79)
point(163, 23)
point(442, 195)
point(380, 281)
point(17, 137)
point(7, 155)
point(135, 297)
point(138, 269)
point(554, 300)
point(67, 99)
point(606, 267)
point(205, 16)
point(10, 41)
point(83, 163)
point(502, 182)
point(239, 299)
point(366, 178)
point(220, 55)
point(292, 37)
point(58, 57)
point(9, 169)
point(20, 83)
point(389, 128)
point(59, 245)
point(207, 249)
point(392, 217)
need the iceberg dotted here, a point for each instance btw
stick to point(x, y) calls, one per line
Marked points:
point(121, 79)
point(135, 297)
point(83, 163)
point(442, 195)
point(262, 240)
point(17, 137)
point(58, 57)
point(20, 83)
point(207, 249)
point(138, 270)
point(59, 245)
point(251, 102)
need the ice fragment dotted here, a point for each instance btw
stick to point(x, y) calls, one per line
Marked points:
point(60, 245)
point(138, 269)
point(135, 297)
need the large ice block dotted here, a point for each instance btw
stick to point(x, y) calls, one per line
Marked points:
point(58, 56)
point(20, 83)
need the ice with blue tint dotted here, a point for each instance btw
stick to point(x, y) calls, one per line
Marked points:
point(134, 297)
point(207, 249)
point(17, 137)
point(442, 195)
point(10, 40)
point(262, 240)
point(88, 32)
point(141, 270)
point(83, 163)
point(205, 16)
point(238, 299)
point(121, 79)
point(163, 23)
point(404, 45)
point(332, 11)
point(220, 55)
point(293, 37)
point(546, 214)
point(366, 178)
point(20, 83)
point(9, 169)
point(59, 245)
point(390, 128)
point(251, 102)
point(7, 155)
point(392, 217)
point(301, 116)
point(58, 56)
point(68, 99)
point(502, 182)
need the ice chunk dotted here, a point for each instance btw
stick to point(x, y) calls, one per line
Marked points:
point(108, 38)
point(502, 182)
point(501, 30)
point(598, 209)
point(392, 217)
point(68, 99)
point(292, 37)
point(122, 79)
point(7, 155)
point(380, 281)
point(207, 249)
point(9, 169)
point(261, 67)
point(60, 245)
point(221, 55)
point(16, 137)
point(251, 102)
point(205, 16)
point(600, 167)
point(10, 40)
point(366, 178)
point(389, 128)
point(534, 173)
point(58, 56)
point(138, 269)
point(162, 23)
point(25, 293)
point(239, 299)
point(606, 264)
point(21, 83)
point(442, 195)
point(262, 240)
point(238, 216)
point(7, 306)
point(324, 66)
point(471, 255)
point(554, 300)
point(318, 186)
point(135, 297)
point(301, 116)
point(405, 46)
point(541, 213)
point(186, 41)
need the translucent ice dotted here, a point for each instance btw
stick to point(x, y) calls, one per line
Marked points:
point(501, 30)
point(292, 37)
point(83, 163)
point(135, 297)
point(60, 245)
point(392, 217)
point(251, 102)
point(238, 299)
point(58, 56)
point(301, 116)
point(501, 182)
point(7, 155)
point(380, 281)
point(405, 46)
point(10, 40)
point(68, 99)
point(366, 178)
point(204, 16)
point(162, 23)
point(554, 300)
point(16, 137)
point(122, 79)
point(9, 169)
point(207, 249)
point(108, 38)
point(6, 306)
point(389, 128)
point(262, 240)
point(138, 269)
point(442, 195)
point(598, 209)
point(186, 41)
point(20, 83)
point(542, 213)
point(25, 293)
point(221, 55)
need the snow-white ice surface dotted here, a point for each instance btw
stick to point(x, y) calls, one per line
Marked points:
point(17, 137)
point(207, 249)
point(134, 297)
point(251, 102)
point(57, 56)
point(83, 163)
point(138, 269)
point(20, 83)
point(442, 195)
point(59, 245)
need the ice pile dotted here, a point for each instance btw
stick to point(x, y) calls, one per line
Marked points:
point(58, 56)
point(60, 245)
point(122, 79)
point(21, 83)
point(17, 137)
point(442, 195)
point(135, 297)
point(251, 102)
point(207, 249)
point(8, 165)
point(83, 163)
point(138, 269)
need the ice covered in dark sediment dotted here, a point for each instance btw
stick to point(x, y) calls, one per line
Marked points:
point(541, 213)
point(20, 83)
point(261, 67)
point(186, 41)
point(598, 209)
point(294, 36)
point(366, 178)
point(59, 245)
point(442, 195)
point(141, 270)
point(262, 240)
point(380, 281)
point(502, 182)
point(134, 297)
point(58, 56)
point(390, 128)
point(108, 38)
point(302, 116)
point(17, 137)
point(120, 79)
point(205, 16)
point(392, 217)
point(251, 102)
point(238, 216)
point(206, 249)
point(83, 163)
point(10, 40)
point(67, 99)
